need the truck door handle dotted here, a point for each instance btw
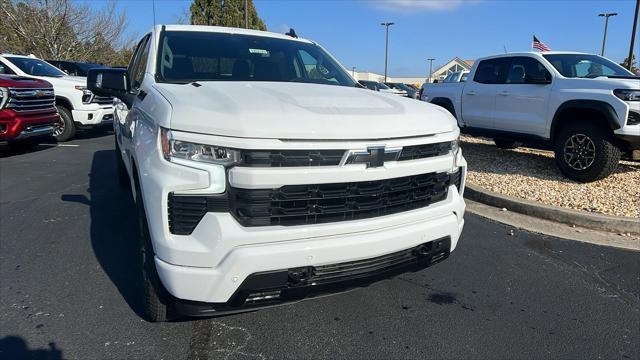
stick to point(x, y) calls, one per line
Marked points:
point(471, 92)
point(503, 93)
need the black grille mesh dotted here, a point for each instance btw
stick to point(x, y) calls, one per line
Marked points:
point(322, 203)
point(424, 151)
point(282, 158)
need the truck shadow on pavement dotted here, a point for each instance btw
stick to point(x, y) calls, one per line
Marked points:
point(15, 347)
point(113, 228)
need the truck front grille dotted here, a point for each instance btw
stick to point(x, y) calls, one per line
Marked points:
point(102, 100)
point(634, 118)
point(424, 151)
point(323, 203)
point(291, 158)
point(27, 100)
point(287, 158)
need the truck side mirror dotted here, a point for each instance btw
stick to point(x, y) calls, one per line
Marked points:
point(110, 82)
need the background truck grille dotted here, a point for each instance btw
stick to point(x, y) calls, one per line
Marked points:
point(23, 100)
point(102, 100)
point(322, 203)
point(290, 158)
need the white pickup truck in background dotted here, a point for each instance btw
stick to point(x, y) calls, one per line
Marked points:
point(78, 107)
point(584, 107)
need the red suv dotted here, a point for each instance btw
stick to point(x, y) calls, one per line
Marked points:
point(27, 108)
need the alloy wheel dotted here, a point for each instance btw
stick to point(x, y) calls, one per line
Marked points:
point(579, 151)
point(59, 128)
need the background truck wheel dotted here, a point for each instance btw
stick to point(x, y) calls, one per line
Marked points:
point(157, 300)
point(506, 143)
point(586, 152)
point(123, 176)
point(66, 129)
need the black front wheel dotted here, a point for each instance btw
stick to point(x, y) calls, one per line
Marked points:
point(66, 128)
point(586, 152)
point(157, 301)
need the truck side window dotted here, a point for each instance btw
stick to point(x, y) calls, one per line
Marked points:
point(5, 70)
point(522, 66)
point(139, 63)
point(490, 71)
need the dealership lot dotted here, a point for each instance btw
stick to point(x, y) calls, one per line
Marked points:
point(70, 286)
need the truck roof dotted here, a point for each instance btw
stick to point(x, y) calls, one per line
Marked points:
point(229, 30)
point(535, 53)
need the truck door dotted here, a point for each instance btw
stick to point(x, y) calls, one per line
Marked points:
point(521, 100)
point(479, 94)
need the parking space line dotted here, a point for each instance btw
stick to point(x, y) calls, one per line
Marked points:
point(67, 145)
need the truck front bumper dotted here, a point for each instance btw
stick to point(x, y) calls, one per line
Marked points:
point(95, 117)
point(231, 285)
point(15, 126)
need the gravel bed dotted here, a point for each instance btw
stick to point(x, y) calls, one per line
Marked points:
point(533, 175)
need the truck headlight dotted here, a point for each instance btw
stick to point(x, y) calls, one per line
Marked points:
point(179, 149)
point(87, 95)
point(627, 94)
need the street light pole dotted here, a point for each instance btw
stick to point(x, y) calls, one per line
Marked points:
point(633, 34)
point(386, 47)
point(606, 24)
point(430, 68)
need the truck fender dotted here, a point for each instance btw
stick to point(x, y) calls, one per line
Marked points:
point(606, 110)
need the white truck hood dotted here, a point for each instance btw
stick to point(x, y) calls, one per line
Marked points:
point(276, 110)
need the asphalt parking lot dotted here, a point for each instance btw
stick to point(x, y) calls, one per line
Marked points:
point(69, 287)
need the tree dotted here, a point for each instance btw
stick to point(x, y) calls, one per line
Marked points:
point(62, 30)
point(225, 13)
point(634, 68)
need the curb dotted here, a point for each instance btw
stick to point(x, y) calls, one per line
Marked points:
point(572, 217)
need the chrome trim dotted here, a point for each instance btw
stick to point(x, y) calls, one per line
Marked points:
point(38, 131)
point(373, 156)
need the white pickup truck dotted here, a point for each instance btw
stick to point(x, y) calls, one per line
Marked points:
point(584, 107)
point(78, 107)
point(263, 174)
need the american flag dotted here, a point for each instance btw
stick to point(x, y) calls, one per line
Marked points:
point(537, 44)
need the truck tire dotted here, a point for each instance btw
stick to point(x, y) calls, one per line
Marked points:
point(123, 176)
point(506, 143)
point(67, 128)
point(586, 152)
point(157, 301)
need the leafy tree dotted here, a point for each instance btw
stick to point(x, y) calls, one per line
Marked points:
point(225, 13)
point(634, 67)
point(62, 30)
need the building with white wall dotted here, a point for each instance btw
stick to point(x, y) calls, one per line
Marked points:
point(454, 65)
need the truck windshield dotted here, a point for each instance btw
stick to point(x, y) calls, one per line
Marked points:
point(188, 56)
point(35, 67)
point(586, 66)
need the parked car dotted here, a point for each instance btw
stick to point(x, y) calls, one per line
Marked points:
point(77, 106)
point(584, 107)
point(376, 86)
point(27, 109)
point(403, 89)
point(259, 183)
point(74, 68)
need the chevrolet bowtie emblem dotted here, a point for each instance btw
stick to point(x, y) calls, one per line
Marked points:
point(375, 156)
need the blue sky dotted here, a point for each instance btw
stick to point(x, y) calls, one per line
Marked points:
point(442, 29)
